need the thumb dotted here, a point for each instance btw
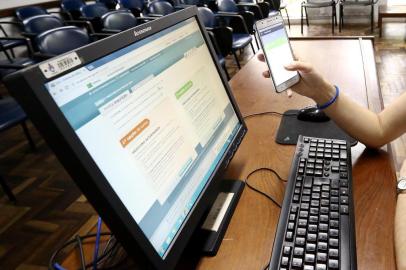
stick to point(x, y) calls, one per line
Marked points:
point(299, 66)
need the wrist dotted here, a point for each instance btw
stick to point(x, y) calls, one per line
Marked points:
point(326, 94)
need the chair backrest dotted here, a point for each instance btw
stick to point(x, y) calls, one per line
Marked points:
point(160, 7)
point(60, 40)
point(207, 16)
point(110, 4)
point(72, 7)
point(227, 6)
point(95, 10)
point(23, 13)
point(199, 3)
point(274, 4)
point(41, 23)
point(132, 4)
point(119, 20)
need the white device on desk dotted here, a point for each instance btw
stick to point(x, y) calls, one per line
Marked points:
point(277, 51)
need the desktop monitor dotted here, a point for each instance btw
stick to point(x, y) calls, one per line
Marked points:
point(145, 123)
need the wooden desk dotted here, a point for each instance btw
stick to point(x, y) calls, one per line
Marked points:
point(248, 242)
point(390, 12)
point(247, 245)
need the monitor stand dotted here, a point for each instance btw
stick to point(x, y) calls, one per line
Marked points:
point(215, 225)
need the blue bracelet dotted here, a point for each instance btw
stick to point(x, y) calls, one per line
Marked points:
point(331, 101)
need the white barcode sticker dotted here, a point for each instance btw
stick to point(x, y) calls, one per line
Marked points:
point(60, 64)
point(217, 212)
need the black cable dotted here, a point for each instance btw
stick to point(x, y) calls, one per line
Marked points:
point(82, 255)
point(70, 242)
point(270, 112)
point(259, 191)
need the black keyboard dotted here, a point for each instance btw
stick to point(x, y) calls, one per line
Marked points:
point(316, 225)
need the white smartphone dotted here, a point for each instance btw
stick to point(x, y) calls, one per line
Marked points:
point(276, 47)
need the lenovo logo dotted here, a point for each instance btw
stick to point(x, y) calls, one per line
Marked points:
point(142, 31)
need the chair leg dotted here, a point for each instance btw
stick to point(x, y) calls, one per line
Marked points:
point(29, 138)
point(301, 19)
point(7, 190)
point(372, 18)
point(252, 46)
point(335, 15)
point(340, 20)
point(307, 17)
point(256, 42)
point(332, 20)
point(236, 60)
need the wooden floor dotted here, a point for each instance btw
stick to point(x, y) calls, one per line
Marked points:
point(50, 208)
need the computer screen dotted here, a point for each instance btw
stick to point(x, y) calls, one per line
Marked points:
point(157, 120)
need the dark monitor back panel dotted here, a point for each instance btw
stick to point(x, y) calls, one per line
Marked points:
point(145, 123)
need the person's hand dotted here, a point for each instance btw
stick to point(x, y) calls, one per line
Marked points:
point(311, 84)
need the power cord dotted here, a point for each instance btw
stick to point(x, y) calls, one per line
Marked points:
point(269, 112)
point(266, 267)
point(259, 191)
point(108, 255)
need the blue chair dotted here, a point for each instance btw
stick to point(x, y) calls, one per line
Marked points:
point(110, 4)
point(71, 8)
point(158, 8)
point(11, 65)
point(23, 13)
point(278, 6)
point(137, 7)
point(60, 40)
point(93, 13)
point(214, 22)
point(118, 20)
point(40, 23)
point(7, 44)
point(246, 25)
point(11, 114)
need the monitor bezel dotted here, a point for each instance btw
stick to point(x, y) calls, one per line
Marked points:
point(27, 86)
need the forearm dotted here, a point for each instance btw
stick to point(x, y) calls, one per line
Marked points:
point(370, 128)
point(400, 232)
point(358, 121)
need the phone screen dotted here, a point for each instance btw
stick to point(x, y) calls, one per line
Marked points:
point(276, 47)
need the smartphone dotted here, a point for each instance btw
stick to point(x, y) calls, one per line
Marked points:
point(276, 47)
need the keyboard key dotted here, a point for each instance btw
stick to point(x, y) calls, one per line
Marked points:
point(332, 264)
point(291, 226)
point(309, 258)
point(322, 246)
point(344, 209)
point(284, 261)
point(333, 253)
point(311, 237)
point(301, 232)
point(320, 266)
point(333, 224)
point(321, 257)
point(286, 251)
point(323, 237)
point(308, 267)
point(297, 263)
point(289, 236)
point(333, 243)
point(298, 252)
point(310, 248)
point(302, 223)
point(333, 232)
point(344, 200)
point(312, 228)
point(300, 241)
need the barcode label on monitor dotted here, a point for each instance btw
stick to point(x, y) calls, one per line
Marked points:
point(60, 64)
point(217, 212)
